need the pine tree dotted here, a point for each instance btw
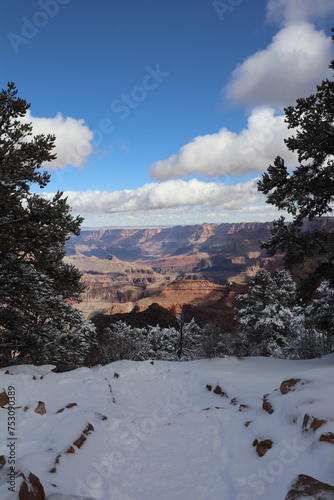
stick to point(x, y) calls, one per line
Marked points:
point(319, 319)
point(264, 315)
point(36, 318)
point(307, 192)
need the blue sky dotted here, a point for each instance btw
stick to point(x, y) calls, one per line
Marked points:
point(164, 112)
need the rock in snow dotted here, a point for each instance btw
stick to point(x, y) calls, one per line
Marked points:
point(307, 487)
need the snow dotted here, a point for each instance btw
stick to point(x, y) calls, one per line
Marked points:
point(166, 436)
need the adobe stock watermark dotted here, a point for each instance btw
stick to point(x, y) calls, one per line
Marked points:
point(120, 108)
point(224, 7)
point(264, 476)
point(124, 443)
point(123, 105)
point(31, 27)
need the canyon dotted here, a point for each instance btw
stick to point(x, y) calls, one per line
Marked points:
point(204, 265)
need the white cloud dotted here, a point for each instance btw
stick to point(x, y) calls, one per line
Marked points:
point(182, 216)
point(290, 67)
point(73, 139)
point(288, 11)
point(166, 195)
point(228, 154)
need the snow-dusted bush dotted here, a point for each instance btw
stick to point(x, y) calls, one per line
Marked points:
point(321, 311)
point(219, 342)
point(163, 343)
point(190, 339)
point(265, 314)
point(122, 341)
point(67, 349)
point(314, 325)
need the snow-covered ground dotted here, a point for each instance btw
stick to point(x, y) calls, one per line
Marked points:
point(167, 436)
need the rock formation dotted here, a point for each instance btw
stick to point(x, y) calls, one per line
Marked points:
point(307, 487)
